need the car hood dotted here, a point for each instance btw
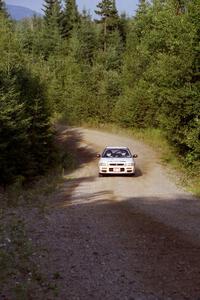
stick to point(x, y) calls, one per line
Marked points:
point(116, 160)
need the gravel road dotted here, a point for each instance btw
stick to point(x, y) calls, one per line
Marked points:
point(120, 237)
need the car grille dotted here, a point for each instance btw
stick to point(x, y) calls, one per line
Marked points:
point(116, 164)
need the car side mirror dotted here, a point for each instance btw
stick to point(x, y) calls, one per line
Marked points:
point(98, 155)
point(135, 156)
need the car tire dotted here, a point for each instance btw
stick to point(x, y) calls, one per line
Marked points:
point(101, 175)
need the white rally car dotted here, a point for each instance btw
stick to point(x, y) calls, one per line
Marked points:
point(116, 160)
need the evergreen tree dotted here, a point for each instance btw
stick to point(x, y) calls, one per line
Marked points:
point(53, 13)
point(194, 18)
point(34, 98)
point(3, 9)
point(52, 32)
point(109, 18)
point(25, 135)
point(48, 7)
point(123, 28)
point(13, 132)
point(87, 38)
point(2, 6)
point(144, 69)
point(160, 75)
point(70, 17)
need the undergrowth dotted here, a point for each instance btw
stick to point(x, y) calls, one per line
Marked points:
point(20, 276)
point(18, 273)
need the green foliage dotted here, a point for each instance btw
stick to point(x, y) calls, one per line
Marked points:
point(25, 136)
point(1, 5)
point(109, 20)
point(70, 18)
point(13, 136)
point(3, 10)
point(141, 72)
point(53, 13)
point(52, 27)
point(109, 14)
point(88, 41)
point(160, 75)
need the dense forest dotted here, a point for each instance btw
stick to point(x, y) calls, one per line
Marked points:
point(141, 71)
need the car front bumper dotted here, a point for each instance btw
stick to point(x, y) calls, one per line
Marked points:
point(117, 170)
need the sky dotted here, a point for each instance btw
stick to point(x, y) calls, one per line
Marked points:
point(128, 6)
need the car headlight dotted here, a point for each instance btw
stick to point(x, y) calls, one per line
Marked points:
point(102, 164)
point(130, 164)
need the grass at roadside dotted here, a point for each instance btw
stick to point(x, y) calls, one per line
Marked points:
point(20, 276)
point(16, 269)
point(187, 176)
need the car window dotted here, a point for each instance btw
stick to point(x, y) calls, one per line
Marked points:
point(115, 153)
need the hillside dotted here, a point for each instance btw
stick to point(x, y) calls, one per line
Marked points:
point(20, 12)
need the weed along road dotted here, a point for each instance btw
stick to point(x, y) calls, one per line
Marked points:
point(120, 237)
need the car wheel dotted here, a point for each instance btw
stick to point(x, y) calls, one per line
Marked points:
point(101, 175)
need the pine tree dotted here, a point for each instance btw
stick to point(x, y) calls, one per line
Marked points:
point(25, 135)
point(87, 40)
point(123, 28)
point(3, 9)
point(2, 5)
point(13, 132)
point(109, 18)
point(52, 32)
point(70, 17)
point(39, 133)
point(48, 6)
point(53, 9)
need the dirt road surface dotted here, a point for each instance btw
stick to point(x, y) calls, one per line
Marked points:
point(119, 237)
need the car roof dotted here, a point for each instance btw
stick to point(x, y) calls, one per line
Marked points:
point(116, 147)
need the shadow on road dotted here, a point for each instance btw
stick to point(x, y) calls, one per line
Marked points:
point(71, 141)
point(138, 255)
point(138, 248)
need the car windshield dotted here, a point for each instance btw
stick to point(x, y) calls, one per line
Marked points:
point(113, 153)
